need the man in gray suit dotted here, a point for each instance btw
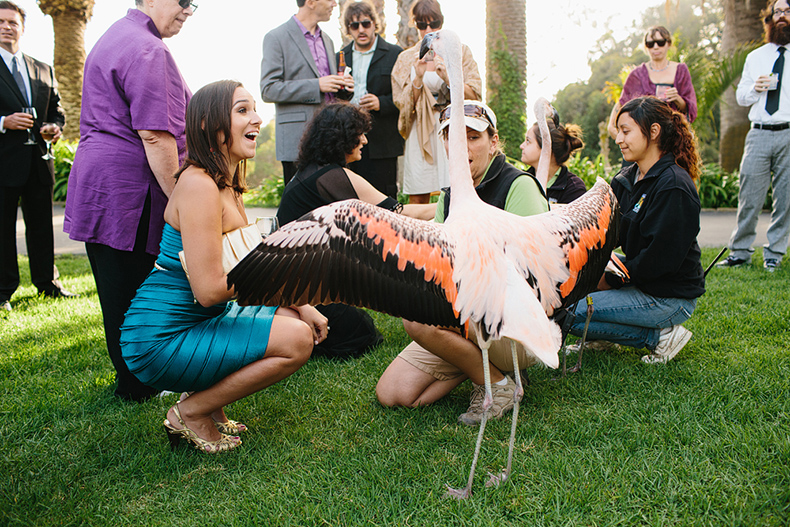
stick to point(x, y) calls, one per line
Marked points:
point(298, 73)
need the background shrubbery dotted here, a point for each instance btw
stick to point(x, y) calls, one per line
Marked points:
point(717, 189)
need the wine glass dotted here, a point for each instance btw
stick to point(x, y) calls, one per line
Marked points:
point(31, 140)
point(48, 131)
point(267, 225)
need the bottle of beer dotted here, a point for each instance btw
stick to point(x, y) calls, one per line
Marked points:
point(341, 63)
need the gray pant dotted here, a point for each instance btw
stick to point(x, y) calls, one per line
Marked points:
point(765, 152)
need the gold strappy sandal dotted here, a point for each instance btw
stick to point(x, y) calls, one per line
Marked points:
point(223, 444)
point(230, 427)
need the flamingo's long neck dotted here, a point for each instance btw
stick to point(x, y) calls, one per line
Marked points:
point(460, 174)
point(542, 174)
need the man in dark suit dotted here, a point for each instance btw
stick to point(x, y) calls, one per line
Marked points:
point(370, 59)
point(25, 177)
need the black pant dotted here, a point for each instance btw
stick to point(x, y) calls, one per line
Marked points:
point(118, 274)
point(36, 201)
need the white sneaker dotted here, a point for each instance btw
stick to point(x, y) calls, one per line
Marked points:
point(670, 342)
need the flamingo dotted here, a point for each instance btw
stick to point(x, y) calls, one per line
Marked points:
point(506, 275)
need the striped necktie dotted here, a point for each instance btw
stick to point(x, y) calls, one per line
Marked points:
point(19, 80)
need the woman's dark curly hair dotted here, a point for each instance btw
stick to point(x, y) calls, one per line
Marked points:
point(676, 136)
point(332, 134)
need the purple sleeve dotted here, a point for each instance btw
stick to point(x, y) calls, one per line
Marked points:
point(636, 85)
point(686, 90)
point(155, 90)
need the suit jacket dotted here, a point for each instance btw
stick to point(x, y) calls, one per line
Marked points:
point(289, 79)
point(17, 161)
point(384, 140)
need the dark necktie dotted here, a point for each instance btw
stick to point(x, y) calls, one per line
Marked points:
point(18, 78)
point(772, 101)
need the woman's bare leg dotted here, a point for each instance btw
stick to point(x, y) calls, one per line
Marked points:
point(289, 347)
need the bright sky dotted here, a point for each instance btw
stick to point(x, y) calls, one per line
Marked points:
point(224, 38)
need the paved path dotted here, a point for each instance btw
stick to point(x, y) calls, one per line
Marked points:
point(715, 231)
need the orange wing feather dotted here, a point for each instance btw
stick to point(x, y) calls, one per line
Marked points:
point(358, 254)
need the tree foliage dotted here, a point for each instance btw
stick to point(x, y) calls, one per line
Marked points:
point(696, 43)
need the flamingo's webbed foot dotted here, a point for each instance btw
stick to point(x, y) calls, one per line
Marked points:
point(494, 480)
point(459, 494)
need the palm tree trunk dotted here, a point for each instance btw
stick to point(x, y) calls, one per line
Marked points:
point(506, 26)
point(69, 63)
point(506, 68)
point(69, 19)
point(407, 36)
point(742, 24)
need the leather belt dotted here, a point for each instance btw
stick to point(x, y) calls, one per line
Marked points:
point(771, 127)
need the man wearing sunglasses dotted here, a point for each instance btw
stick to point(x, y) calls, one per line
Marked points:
point(765, 87)
point(298, 73)
point(370, 59)
point(132, 141)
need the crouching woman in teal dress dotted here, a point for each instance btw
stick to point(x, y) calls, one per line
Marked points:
point(182, 332)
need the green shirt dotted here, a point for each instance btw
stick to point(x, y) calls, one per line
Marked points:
point(523, 199)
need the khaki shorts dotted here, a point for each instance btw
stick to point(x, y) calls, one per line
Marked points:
point(498, 353)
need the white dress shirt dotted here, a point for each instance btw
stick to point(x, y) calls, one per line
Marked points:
point(761, 62)
point(22, 66)
point(360, 71)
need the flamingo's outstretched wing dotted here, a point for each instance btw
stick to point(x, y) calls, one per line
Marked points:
point(358, 254)
point(595, 221)
point(585, 232)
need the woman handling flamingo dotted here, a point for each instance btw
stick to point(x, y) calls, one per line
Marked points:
point(440, 359)
point(420, 89)
point(666, 79)
point(563, 186)
point(181, 332)
point(658, 234)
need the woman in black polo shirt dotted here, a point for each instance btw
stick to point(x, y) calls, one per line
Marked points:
point(658, 234)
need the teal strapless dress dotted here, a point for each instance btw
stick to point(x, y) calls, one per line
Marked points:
point(171, 342)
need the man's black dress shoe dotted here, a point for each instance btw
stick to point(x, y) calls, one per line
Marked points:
point(58, 292)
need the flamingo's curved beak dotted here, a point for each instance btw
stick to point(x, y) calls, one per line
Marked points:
point(427, 43)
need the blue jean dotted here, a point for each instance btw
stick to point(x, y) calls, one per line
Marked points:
point(630, 317)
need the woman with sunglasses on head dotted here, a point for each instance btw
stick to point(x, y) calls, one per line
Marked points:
point(332, 140)
point(440, 359)
point(420, 88)
point(563, 186)
point(666, 79)
point(658, 235)
point(182, 332)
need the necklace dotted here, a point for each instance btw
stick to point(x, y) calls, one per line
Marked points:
point(649, 65)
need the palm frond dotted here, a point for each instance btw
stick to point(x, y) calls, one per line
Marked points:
point(720, 75)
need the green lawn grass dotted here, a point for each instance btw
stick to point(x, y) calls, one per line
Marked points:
point(704, 440)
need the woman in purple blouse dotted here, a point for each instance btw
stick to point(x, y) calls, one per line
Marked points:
point(664, 78)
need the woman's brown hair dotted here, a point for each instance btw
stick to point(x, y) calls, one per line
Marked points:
point(675, 136)
point(208, 118)
point(427, 11)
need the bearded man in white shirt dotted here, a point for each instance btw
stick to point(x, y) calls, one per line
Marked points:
point(765, 87)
